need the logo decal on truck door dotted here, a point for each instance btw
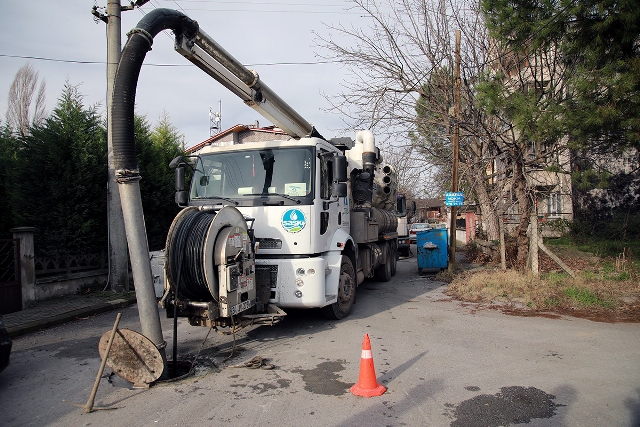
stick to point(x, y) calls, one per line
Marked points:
point(293, 220)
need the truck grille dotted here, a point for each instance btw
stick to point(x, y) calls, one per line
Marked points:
point(268, 274)
point(267, 243)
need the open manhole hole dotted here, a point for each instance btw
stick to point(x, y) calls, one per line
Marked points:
point(177, 371)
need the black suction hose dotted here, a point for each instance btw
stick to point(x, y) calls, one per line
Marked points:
point(123, 105)
point(126, 80)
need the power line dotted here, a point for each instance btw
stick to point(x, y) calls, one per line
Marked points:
point(273, 11)
point(258, 2)
point(345, 7)
point(265, 64)
point(261, 3)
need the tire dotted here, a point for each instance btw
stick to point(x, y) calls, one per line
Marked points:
point(405, 251)
point(383, 272)
point(394, 257)
point(346, 292)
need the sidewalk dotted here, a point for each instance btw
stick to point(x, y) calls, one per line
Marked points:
point(44, 314)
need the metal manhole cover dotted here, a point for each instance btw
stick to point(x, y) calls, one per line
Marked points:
point(133, 357)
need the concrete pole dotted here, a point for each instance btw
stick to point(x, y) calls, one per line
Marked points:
point(27, 264)
point(533, 245)
point(118, 257)
point(141, 264)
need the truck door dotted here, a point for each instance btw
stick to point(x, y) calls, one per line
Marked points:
point(330, 209)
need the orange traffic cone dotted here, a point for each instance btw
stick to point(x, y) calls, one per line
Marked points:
point(367, 384)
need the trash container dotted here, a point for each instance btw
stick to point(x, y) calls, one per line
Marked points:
point(433, 252)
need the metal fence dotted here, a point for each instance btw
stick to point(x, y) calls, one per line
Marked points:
point(65, 265)
point(10, 284)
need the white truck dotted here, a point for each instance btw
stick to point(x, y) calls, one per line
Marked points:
point(295, 223)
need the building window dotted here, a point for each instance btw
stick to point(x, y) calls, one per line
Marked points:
point(554, 204)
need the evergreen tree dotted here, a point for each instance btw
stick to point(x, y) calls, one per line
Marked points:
point(598, 43)
point(596, 46)
point(155, 148)
point(59, 179)
point(8, 149)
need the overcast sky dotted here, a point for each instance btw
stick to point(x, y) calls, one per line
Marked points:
point(275, 38)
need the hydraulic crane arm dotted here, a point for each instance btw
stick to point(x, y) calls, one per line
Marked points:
point(210, 57)
point(215, 61)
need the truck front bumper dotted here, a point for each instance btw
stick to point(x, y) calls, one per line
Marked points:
point(300, 282)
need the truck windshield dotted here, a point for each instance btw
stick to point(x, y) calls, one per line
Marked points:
point(282, 174)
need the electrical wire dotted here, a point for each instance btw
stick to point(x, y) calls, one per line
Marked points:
point(263, 64)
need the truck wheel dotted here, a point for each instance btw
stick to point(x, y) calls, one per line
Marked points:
point(383, 272)
point(394, 257)
point(346, 292)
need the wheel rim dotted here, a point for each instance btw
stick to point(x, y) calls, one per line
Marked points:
point(346, 286)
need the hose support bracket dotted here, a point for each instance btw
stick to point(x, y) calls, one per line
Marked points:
point(144, 33)
point(125, 176)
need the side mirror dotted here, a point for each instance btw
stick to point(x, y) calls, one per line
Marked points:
point(339, 189)
point(175, 162)
point(179, 180)
point(401, 206)
point(181, 197)
point(340, 168)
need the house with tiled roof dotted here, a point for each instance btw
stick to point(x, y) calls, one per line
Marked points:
point(240, 134)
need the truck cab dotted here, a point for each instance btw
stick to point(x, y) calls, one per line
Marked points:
point(300, 222)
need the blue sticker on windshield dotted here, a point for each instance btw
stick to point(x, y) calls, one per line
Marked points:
point(293, 220)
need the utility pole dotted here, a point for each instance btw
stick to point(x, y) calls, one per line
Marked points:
point(118, 255)
point(456, 141)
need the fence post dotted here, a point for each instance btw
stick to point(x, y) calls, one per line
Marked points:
point(533, 245)
point(470, 224)
point(27, 264)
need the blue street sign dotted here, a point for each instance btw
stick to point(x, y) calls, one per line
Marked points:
point(454, 199)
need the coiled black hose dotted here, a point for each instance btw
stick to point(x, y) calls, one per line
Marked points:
point(186, 254)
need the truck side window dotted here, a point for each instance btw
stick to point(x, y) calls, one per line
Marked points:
point(326, 173)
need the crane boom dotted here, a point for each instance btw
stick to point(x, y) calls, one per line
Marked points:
point(214, 60)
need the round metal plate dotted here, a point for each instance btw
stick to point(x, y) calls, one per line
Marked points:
point(132, 357)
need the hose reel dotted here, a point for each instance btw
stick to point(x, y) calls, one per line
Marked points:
point(192, 257)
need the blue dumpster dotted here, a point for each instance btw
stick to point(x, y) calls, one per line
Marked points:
point(433, 252)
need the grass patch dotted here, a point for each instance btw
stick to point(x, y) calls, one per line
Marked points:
point(607, 288)
point(607, 267)
point(501, 286)
point(586, 298)
point(601, 247)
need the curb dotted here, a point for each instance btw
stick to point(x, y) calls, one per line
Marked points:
point(37, 325)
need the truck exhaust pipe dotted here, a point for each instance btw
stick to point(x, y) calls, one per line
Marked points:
point(126, 164)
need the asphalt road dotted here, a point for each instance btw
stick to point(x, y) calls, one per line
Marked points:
point(444, 363)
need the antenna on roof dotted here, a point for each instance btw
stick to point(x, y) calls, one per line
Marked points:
point(215, 119)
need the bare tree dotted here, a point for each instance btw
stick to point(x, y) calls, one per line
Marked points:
point(414, 174)
point(21, 95)
point(402, 85)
